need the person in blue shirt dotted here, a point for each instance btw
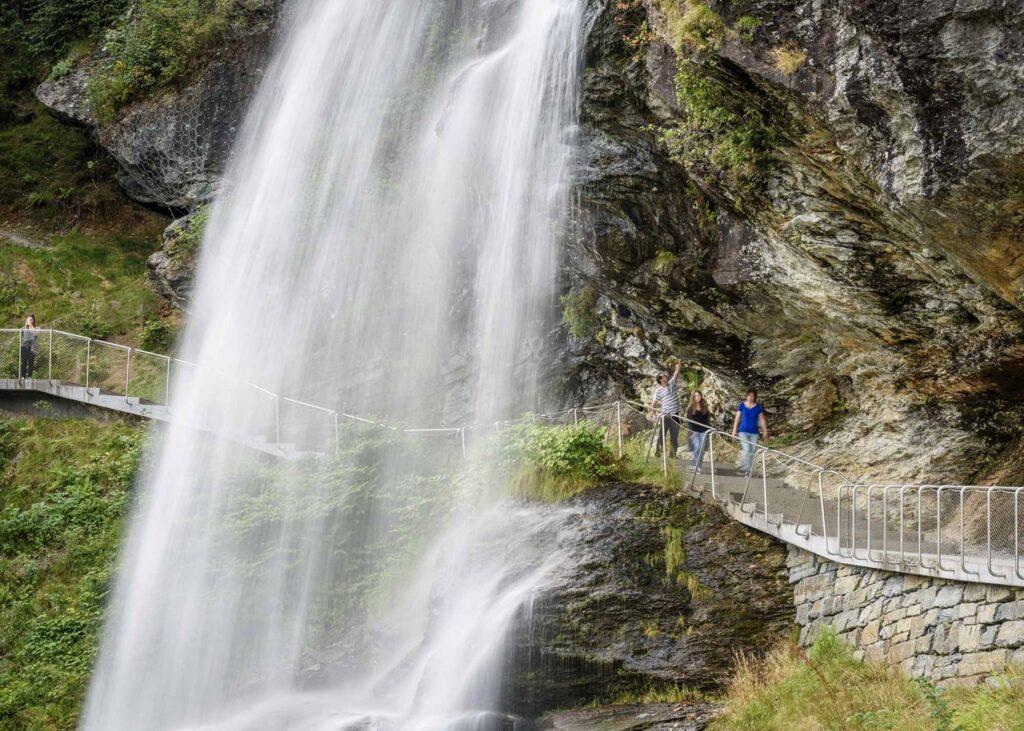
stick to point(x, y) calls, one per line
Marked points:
point(749, 425)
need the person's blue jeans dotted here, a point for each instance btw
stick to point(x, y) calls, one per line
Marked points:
point(696, 448)
point(748, 447)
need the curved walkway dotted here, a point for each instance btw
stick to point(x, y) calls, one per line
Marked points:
point(961, 532)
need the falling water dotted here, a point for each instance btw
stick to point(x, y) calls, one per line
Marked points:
point(386, 241)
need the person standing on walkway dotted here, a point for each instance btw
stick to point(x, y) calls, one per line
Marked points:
point(748, 426)
point(698, 421)
point(29, 344)
point(666, 401)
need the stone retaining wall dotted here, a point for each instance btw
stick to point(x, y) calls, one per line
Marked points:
point(950, 632)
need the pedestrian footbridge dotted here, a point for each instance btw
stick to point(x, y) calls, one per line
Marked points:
point(963, 532)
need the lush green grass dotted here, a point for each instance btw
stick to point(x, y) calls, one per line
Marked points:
point(826, 688)
point(92, 284)
point(64, 489)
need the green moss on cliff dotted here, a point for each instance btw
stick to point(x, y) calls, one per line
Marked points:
point(64, 491)
point(578, 312)
point(724, 132)
point(160, 42)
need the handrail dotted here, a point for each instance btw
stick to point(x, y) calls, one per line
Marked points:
point(867, 541)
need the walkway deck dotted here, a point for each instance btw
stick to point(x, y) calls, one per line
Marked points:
point(961, 532)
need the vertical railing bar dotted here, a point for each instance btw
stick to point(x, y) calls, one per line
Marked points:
point(963, 551)
point(167, 384)
point(618, 423)
point(938, 529)
point(711, 459)
point(88, 359)
point(128, 374)
point(764, 483)
point(462, 438)
point(1016, 534)
point(664, 447)
point(902, 500)
point(49, 364)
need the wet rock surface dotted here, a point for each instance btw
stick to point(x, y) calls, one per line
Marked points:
point(650, 717)
point(866, 277)
point(172, 146)
point(664, 591)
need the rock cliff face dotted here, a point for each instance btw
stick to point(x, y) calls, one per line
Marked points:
point(662, 592)
point(819, 197)
point(171, 147)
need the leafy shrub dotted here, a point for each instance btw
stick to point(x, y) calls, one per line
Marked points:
point(578, 312)
point(64, 492)
point(554, 462)
point(157, 336)
point(185, 238)
point(159, 42)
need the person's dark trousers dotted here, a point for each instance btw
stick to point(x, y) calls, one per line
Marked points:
point(28, 362)
point(671, 422)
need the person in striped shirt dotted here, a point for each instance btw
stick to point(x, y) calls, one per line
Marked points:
point(666, 404)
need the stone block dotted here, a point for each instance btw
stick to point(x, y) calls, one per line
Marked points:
point(975, 592)
point(926, 597)
point(987, 613)
point(965, 610)
point(998, 594)
point(846, 584)
point(949, 595)
point(1011, 634)
point(870, 634)
point(978, 663)
point(1009, 610)
point(969, 638)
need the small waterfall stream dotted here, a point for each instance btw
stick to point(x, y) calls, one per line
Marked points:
point(386, 240)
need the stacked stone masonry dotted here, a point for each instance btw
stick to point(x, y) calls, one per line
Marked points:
point(950, 632)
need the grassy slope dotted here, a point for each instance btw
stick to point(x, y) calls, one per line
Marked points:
point(826, 688)
point(64, 488)
point(89, 272)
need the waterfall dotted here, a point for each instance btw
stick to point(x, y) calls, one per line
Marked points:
point(385, 241)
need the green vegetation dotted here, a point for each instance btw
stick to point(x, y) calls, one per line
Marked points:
point(90, 284)
point(579, 311)
point(747, 26)
point(184, 239)
point(723, 129)
point(158, 43)
point(826, 688)
point(552, 463)
point(64, 491)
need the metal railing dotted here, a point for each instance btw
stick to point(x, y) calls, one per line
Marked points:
point(966, 532)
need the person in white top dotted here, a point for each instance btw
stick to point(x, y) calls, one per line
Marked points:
point(666, 401)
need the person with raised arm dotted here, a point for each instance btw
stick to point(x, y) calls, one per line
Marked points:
point(666, 404)
point(748, 426)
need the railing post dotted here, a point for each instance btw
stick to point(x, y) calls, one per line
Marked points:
point(664, 447)
point(575, 417)
point(764, 483)
point(18, 345)
point(167, 385)
point(462, 439)
point(277, 419)
point(49, 363)
point(618, 424)
point(337, 441)
point(128, 374)
point(711, 463)
point(88, 358)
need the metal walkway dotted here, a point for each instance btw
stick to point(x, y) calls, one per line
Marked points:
point(961, 532)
